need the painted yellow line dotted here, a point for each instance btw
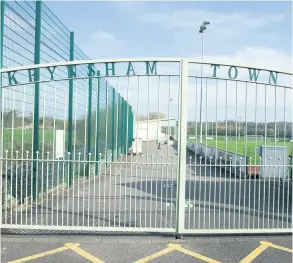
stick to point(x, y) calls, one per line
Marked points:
point(155, 255)
point(83, 253)
point(192, 254)
point(276, 246)
point(255, 253)
point(47, 253)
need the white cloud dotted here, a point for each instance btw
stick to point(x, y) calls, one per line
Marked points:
point(192, 18)
point(258, 56)
point(103, 35)
point(232, 29)
point(103, 44)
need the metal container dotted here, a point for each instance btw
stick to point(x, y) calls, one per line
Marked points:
point(274, 161)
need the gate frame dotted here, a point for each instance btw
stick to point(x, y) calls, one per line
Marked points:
point(181, 174)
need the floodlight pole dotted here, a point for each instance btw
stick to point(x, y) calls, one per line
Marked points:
point(202, 29)
point(200, 106)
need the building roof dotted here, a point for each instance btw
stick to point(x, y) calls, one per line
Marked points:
point(156, 120)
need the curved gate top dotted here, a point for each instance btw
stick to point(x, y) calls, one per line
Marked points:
point(146, 145)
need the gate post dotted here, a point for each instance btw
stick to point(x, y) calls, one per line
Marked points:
point(37, 97)
point(181, 180)
point(70, 109)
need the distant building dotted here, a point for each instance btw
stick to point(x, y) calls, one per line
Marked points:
point(153, 130)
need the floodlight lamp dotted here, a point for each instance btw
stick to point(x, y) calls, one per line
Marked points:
point(202, 28)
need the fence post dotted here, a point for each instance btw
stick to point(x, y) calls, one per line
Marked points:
point(126, 126)
point(70, 109)
point(130, 127)
point(89, 124)
point(113, 124)
point(118, 126)
point(107, 124)
point(2, 6)
point(98, 124)
point(122, 126)
point(181, 180)
point(37, 96)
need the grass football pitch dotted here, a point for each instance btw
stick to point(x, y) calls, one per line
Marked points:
point(242, 147)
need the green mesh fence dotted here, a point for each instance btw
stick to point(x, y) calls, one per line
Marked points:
point(91, 116)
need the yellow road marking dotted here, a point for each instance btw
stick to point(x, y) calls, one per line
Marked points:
point(47, 253)
point(192, 254)
point(263, 246)
point(83, 253)
point(171, 247)
point(276, 246)
point(155, 255)
point(252, 255)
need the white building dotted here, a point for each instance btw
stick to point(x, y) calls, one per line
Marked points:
point(153, 130)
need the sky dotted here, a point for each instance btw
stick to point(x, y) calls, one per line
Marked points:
point(249, 32)
point(252, 33)
point(170, 29)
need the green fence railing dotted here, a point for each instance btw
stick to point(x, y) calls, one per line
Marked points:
point(90, 113)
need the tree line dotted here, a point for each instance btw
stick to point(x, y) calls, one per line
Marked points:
point(12, 119)
point(231, 128)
